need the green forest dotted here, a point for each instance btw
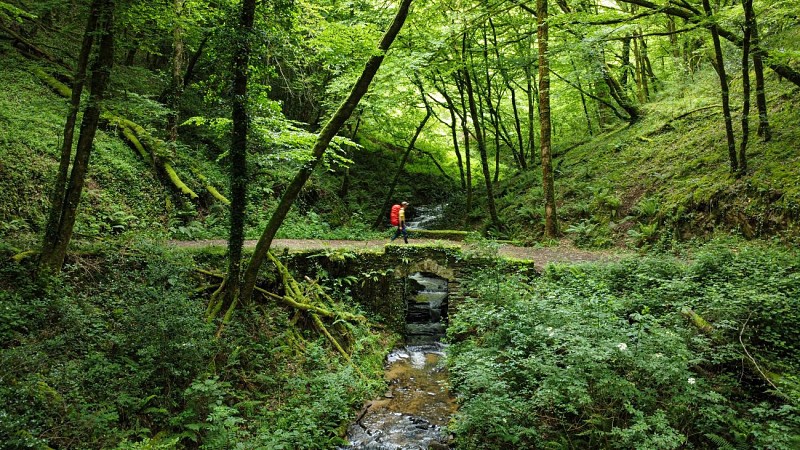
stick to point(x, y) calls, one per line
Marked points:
point(158, 159)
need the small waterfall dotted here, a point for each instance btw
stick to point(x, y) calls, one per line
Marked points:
point(426, 312)
point(425, 216)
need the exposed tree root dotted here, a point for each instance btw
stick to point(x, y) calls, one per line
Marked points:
point(308, 301)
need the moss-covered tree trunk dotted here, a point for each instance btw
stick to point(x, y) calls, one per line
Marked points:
point(59, 187)
point(176, 86)
point(324, 138)
point(548, 184)
point(723, 82)
point(54, 252)
point(758, 66)
point(745, 92)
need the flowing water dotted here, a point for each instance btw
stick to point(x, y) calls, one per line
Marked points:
point(425, 216)
point(418, 404)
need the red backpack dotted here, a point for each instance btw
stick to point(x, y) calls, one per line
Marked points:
point(394, 217)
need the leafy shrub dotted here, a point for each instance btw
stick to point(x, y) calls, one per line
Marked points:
point(600, 357)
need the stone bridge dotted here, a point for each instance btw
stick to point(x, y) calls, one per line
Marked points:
point(379, 281)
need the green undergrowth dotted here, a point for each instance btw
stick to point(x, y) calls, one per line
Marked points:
point(606, 356)
point(115, 353)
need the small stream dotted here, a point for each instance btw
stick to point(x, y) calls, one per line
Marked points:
point(417, 405)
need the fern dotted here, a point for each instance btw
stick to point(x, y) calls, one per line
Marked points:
point(720, 442)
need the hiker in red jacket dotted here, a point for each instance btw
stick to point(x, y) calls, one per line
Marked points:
point(398, 219)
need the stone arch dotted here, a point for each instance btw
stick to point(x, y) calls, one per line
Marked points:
point(429, 266)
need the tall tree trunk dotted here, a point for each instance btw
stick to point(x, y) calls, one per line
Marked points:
point(745, 90)
point(493, 119)
point(780, 68)
point(494, 112)
point(648, 67)
point(523, 162)
point(480, 138)
point(53, 255)
point(530, 80)
point(58, 193)
point(583, 101)
point(626, 61)
point(548, 185)
point(758, 65)
point(451, 107)
point(465, 131)
point(519, 156)
point(324, 138)
point(723, 81)
point(641, 70)
point(176, 88)
point(387, 202)
point(238, 152)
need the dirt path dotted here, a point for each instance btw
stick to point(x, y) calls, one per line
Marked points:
point(563, 252)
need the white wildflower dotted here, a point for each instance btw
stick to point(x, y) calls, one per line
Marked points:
point(659, 355)
point(691, 380)
point(550, 331)
point(622, 346)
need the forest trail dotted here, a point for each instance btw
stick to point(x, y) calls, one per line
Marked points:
point(541, 256)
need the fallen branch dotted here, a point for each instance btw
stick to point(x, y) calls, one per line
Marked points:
point(753, 361)
point(668, 125)
point(697, 320)
point(771, 378)
point(211, 189)
point(33, 50)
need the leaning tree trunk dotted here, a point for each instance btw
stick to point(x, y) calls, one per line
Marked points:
point(618, 94)
point(548, 185)
point(451, 108)
point(388, 200)
point(465, 132)
point(723, 82)
point(480, 138)
point(758, 65)
point(78, 81)
point(53, 254)
point(325, 136)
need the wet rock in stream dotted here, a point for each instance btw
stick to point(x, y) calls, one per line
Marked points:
point(414, 411)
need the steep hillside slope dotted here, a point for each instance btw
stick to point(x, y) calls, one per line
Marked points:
point(667, 177)
point(122, 193)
